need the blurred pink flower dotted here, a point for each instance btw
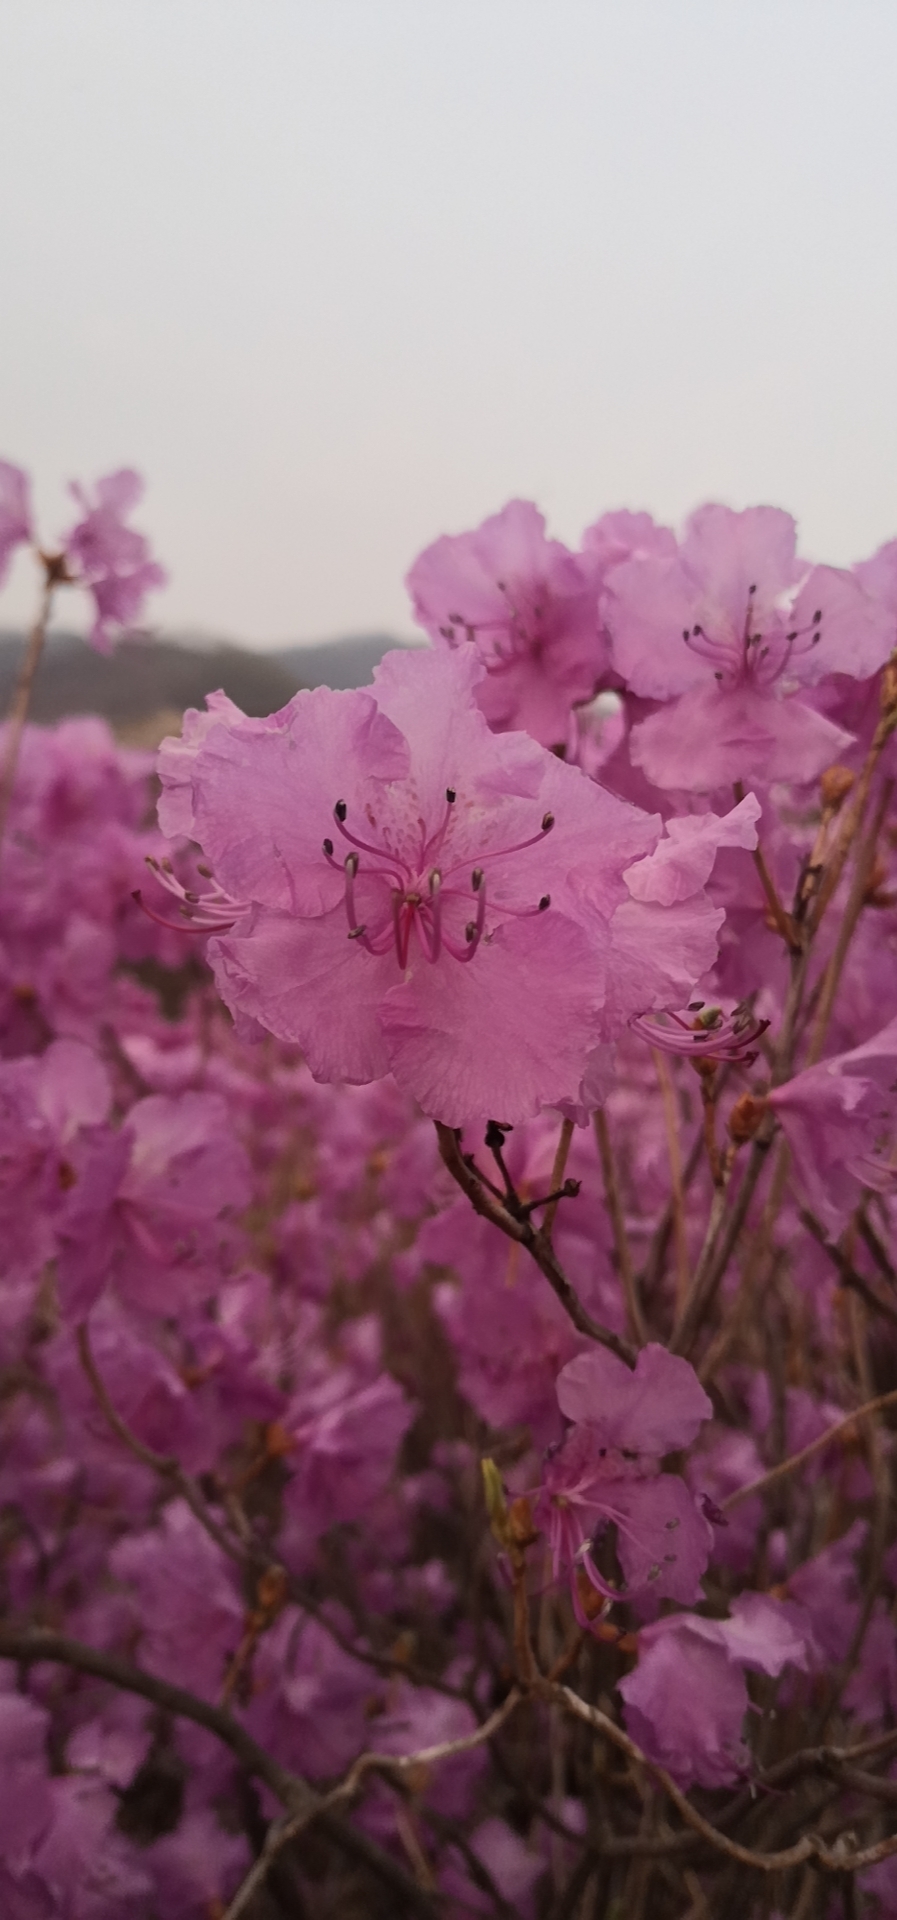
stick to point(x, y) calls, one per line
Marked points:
point(15, 513)
point(111, 559)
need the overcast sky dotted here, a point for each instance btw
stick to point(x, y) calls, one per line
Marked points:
point(340, 275)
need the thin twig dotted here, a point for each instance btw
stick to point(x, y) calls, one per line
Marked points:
point(818, 1445)
point(491, 1208)
point(18, 710)
point(856, 899)
point(614, 1202)
point(839, 1858)
point(671, 1126)
point(845, 1269)
point(557, 1176)
point(284, 1831)
point(33, 1644)
point(167, 1466)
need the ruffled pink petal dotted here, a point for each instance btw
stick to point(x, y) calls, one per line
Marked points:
point(307, 982)
point(502, 1036)
point(714, 736)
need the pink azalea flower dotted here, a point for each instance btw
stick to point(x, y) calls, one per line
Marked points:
point(686, 1700)
point(25, 1803)
point(15, 513)
point(530, 609)
point(727, 631)
point(424, 897)
point(144, 1203)
point(838, 1118)
point(110, 558)
point(185, 1597)
point(607, 1471)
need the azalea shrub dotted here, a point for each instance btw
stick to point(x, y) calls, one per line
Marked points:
point(448, 1373)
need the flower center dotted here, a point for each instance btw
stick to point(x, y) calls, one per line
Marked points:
point(511, 636)
point(426, 892)
point(752, 657)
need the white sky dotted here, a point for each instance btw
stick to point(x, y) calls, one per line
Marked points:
point(340, 275)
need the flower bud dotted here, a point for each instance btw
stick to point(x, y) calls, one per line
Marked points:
point(745, 1118)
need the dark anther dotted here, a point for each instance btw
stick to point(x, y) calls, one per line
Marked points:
point(544, 902)
point(328, 847)
point(206, 872)
point(476, 879)
point(357, 933)
point(753, 589)
point(571, 1188)
point(451, 796)
point(494, 1136)
point(694, 1006)
point(696, 630)
point(547, 822)
point(470, 931)
point(791, 636)
point(816, 617)
point(685, 634)
point(341, 810)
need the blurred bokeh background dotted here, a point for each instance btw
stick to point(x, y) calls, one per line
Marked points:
point(340, 275)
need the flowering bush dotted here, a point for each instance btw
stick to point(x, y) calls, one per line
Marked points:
point(447, 1167)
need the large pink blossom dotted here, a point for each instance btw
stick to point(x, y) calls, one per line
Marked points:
point(727, 631)
point(419, 895)
point(530, 609)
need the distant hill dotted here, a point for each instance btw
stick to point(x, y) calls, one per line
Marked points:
point(145, 678)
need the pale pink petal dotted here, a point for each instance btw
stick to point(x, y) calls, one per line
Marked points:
point(715, 736)
point(502, 1036)
point(683, 861)
point(307, 982)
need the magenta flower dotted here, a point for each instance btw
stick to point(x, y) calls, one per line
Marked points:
point(607, 1471)
point(727, 631)
point(686, 1701)
point(530, 609)
point(423, 897)
point(15, 513)
point(838, 1119)
point(109, 558)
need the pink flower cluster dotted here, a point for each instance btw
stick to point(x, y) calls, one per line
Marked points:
point(100, 553)
point(448, 1302)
